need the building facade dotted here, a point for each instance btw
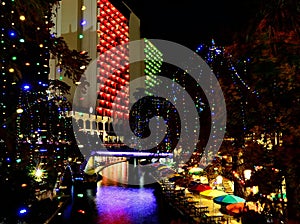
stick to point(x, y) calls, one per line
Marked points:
point(104, 31)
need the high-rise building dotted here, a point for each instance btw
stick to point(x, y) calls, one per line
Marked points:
point(104, 30)
point(113, 62)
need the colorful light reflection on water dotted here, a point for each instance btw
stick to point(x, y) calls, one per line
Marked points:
point(120, 204)
point(123, 205)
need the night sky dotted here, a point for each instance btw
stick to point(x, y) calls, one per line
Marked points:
point(191, 22)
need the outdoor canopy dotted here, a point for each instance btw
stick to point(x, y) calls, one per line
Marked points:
point(199, 188)
point(212, 193)
point(237, 208)
point(228, 199)
point(195, 170)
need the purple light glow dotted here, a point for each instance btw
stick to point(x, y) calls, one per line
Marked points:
point(134, 154)
point(119, 205)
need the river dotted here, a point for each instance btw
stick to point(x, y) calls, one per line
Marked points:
point(117, 203)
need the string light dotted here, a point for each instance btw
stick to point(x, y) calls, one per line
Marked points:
point(236, 78)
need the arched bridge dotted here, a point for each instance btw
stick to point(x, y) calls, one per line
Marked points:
point(103, 158)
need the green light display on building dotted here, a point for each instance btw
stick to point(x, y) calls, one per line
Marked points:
point(153, 62)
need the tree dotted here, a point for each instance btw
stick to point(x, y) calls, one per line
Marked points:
point(230, 75)
point(272, 44)
point(27, 44)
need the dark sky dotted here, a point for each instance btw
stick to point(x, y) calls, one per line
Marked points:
point(192, 22)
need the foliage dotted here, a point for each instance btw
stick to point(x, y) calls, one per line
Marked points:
point(17, 184)
point(273, 74)
point(39, 45)
point(36, 30)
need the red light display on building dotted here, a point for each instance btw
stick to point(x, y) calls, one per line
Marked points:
point(113, 62)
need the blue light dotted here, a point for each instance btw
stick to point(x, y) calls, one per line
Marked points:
point(12, 34)
point(22, 211)
point(26, 87)
point(200, 47)
point(83, 22)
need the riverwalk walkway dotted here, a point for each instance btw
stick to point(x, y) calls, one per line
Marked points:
point(194, 208)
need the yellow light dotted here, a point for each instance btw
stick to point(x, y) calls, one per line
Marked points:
point(219, 179)
point(19, 110)
point(38, 173)
point(11, 70)
point(22, 18)
point(247, 174)
point(83, 8)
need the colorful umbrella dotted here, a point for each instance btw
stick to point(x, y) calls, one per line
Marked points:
point(162, 167)
point(199, 188)
point(228, 199)
point(237, 208)
point(212, 193)
point(195, 170)
point(174, 175)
